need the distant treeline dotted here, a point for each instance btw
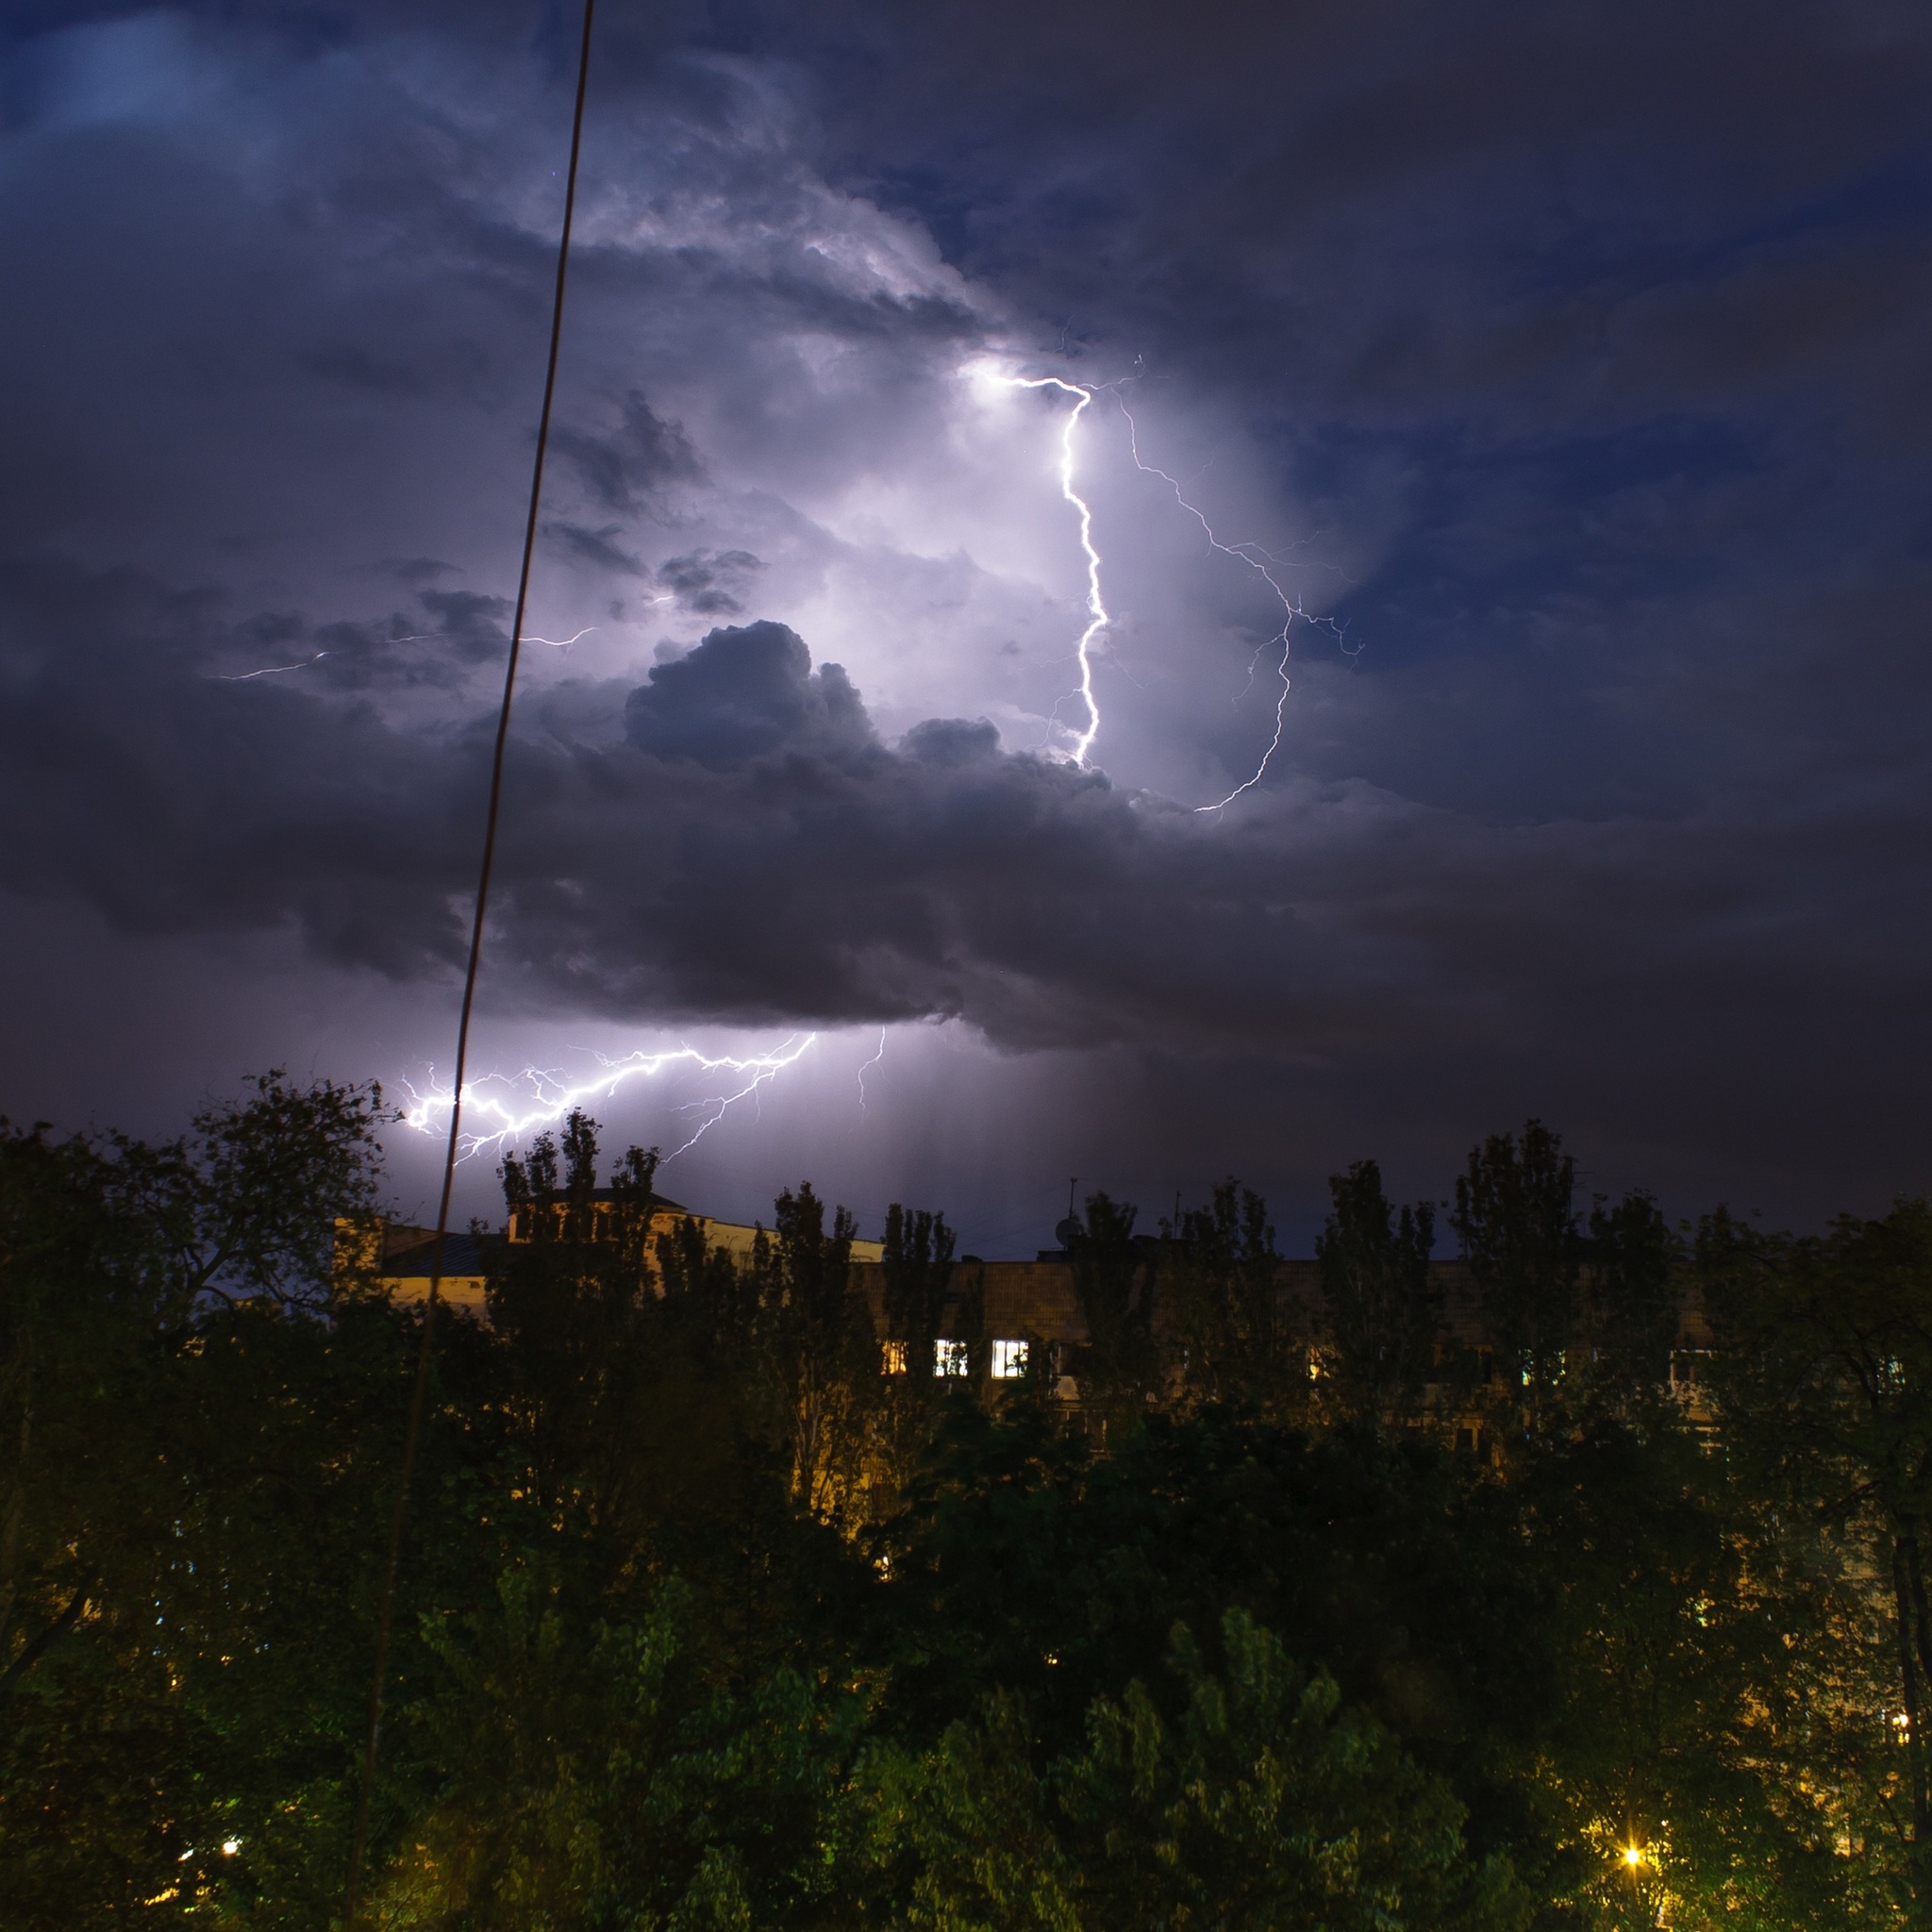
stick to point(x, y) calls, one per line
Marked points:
point(709, 1622)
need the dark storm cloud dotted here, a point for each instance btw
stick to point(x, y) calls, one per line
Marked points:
point(748, 694)
point(597, 548)
point(704, 584)
point(751, 851)
point(1590, 335)
point(624, 467)
point(435, 642)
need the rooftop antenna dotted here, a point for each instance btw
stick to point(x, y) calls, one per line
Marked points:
point(1069, 1230)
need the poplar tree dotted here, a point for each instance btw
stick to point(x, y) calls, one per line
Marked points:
point(1515, 1219)
point(1384, 1312)
point(1222, 1310)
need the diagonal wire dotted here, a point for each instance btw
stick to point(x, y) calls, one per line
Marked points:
point(418, 1394)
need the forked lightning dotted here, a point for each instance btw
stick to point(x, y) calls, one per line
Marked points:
point(1250, 553)
point(500, 1100)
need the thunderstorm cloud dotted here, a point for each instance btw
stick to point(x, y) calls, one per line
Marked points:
point(1565, 366)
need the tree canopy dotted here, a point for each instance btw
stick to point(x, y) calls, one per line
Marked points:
point(718, 1608)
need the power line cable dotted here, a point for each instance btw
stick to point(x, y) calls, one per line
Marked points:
point(418, 1395)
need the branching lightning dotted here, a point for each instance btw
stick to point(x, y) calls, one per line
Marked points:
point(1257, 559)
point(526, 1103)
point(1097, 617)
point(1262, 565)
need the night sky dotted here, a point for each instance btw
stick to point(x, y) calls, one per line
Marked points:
point(1567, 365)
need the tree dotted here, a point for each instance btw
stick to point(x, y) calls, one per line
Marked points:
point(916, 1265)
point(111, 1256)
point(821, 1348)
point(1518, 1229)
point(1118, 1368)
point(574, 1306)
point(1665, 1783)
point(917, 1280)
point(1219, 1296)
point(1632, 1289)
point(596, 1778)
point(1822, 1374)
point(1384, 1314)
point(193, 1448)
point(1252, 1801)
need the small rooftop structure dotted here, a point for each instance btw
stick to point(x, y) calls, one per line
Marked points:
point(400, 1258)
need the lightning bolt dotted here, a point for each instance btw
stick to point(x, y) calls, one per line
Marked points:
point(872, 1062)
point(267, 669)
point(535, 1099)
point(1262, 565)
point(1252, 554)
point(431, 637)
point(1097, 617)
point(415, 638)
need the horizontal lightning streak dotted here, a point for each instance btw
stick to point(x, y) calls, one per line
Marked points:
point(551, 1098)
point(267, 669)
point(431, 637)
point(414, 638)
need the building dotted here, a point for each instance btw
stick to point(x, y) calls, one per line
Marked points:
point(398, 1257)
point(1021, 1307)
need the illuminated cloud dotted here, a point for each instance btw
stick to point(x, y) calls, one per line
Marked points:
point(1569, 368)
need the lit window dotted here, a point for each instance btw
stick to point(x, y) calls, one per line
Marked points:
point(894, 1353)
point(949, 1359)
point(1008, 1361)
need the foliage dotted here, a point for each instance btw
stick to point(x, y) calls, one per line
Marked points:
point(1259, 1804)
point(596, 1780)
point(189, 1456)
point(709, 1620)
point(1514, 1217)
point(1384, 1312)
point(1823, 1378)
point(917, 1271)
point(1119, 1367)
point(1632, 1294)
point(1218, 1286)
point(819, 1349)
